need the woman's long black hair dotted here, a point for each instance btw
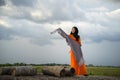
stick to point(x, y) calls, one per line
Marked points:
point(75, 34)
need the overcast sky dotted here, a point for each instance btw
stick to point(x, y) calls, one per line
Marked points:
point(25, 27)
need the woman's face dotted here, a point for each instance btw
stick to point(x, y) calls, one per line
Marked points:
point(73, 30)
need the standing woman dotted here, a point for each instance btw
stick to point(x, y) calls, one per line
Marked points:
point(79, 70)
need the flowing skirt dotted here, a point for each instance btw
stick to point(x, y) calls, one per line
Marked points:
point(79, 70)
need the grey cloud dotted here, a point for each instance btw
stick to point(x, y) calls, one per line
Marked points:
point(58, 13)
point(104, 20)
point(52, 10)
point(106, 36)
point(115, 1)
point(59, 10)
point(37, 35)
point(29, 3)
point(68, 11)
point(5, 33)
point(45, 40)
point(98, 33)
point(2, 2)
point(112, 4)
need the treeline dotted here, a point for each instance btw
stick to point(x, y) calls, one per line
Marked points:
point(24, 64)
point(14, 64)
point(49, 64)
point(91, 65)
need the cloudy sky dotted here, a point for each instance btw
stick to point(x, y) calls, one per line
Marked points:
point(25, 27)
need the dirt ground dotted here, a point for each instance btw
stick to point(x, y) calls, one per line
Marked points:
point(45, 77)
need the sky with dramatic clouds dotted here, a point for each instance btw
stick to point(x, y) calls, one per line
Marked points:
point(25, 27)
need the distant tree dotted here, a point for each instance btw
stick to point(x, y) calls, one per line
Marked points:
point(8, 64)
point(16, 64)
point(20, 64)
point(91, 65)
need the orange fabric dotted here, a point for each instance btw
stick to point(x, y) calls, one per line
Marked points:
point(79, 70)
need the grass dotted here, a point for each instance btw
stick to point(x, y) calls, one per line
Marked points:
point(103, 71)
point(39, 69)
point(95, 71)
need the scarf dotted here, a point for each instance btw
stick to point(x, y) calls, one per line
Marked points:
point(73, 44)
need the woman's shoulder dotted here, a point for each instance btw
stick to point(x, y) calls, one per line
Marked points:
point(70, 35)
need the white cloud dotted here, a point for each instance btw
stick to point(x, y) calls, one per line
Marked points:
point(98, 9)
point(4, 24)
point(39, 15)
point(107, 18)
point(115, 14)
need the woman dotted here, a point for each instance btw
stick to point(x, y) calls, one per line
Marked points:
point(79, 70)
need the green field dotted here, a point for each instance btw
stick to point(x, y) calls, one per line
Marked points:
point(103, 71)
point(96, 71)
